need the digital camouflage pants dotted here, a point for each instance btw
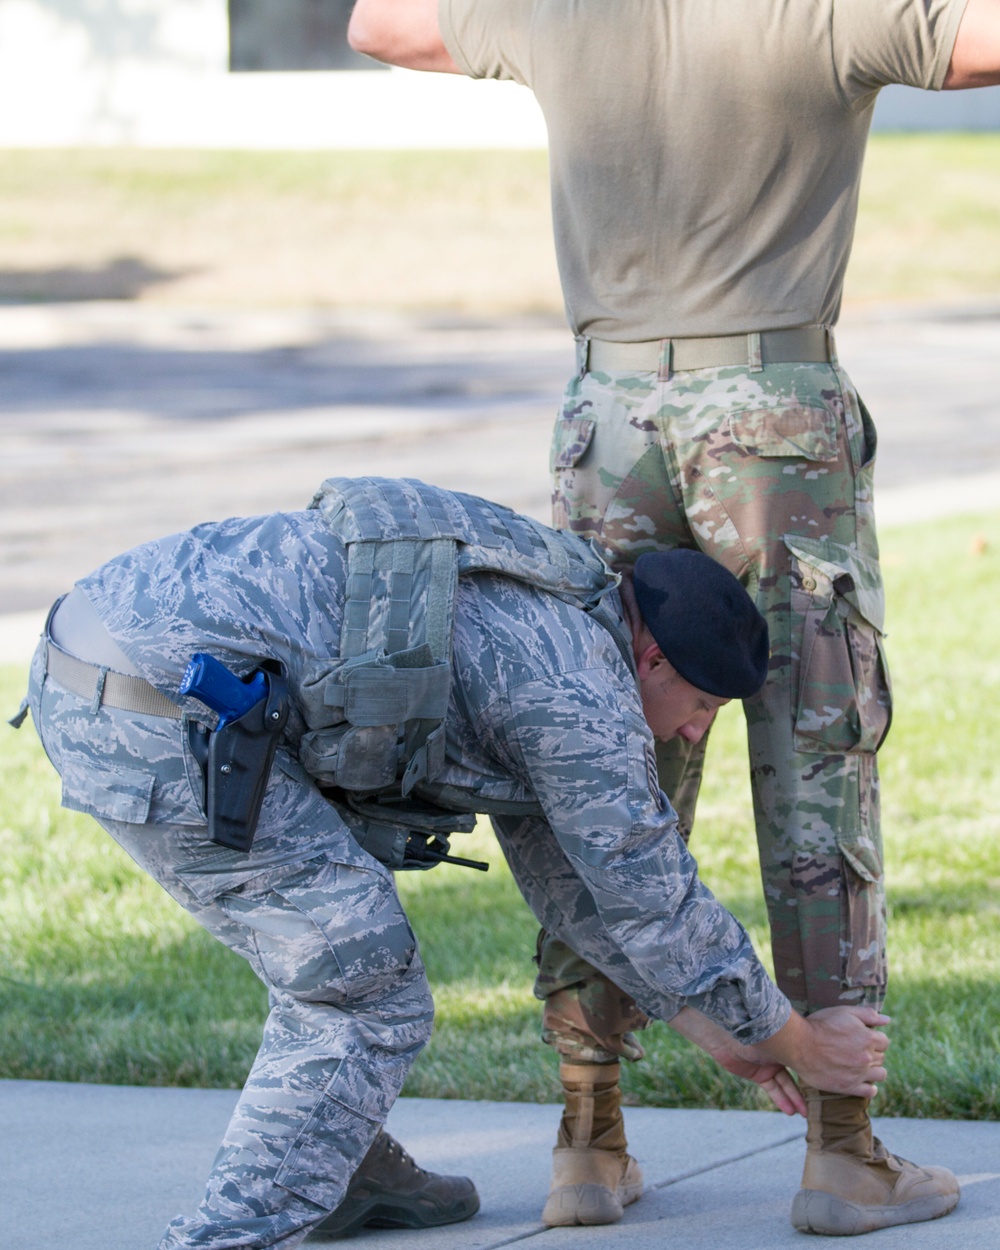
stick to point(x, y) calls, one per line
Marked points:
point(769, 471)
point(320, 923)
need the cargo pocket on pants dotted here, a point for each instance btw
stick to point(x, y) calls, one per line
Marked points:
point(840, 680)
point(106, 792)
point(334, 1139)
point(571, 439)
point(842, 706)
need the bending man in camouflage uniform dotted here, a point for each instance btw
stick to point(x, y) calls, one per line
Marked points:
point(526, 691)
point(705, 159)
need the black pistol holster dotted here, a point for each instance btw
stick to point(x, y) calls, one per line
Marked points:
point(239, 764)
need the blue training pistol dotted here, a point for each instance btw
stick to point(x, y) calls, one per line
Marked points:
point(210, 681)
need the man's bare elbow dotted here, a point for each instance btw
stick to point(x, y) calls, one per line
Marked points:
point(362, 33)
point(400, 33)
point(975, 59)
point(378, 29)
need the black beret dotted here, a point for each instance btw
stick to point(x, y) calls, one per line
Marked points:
point(703, 621)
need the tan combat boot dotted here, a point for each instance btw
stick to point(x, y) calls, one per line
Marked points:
point(852, 1184)
point(593, 1176)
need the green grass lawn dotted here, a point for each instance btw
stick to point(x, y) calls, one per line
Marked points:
point(928, 219)
point(105, 979)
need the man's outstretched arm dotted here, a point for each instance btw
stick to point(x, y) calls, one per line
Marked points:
point(407, 33)
point(401, 32)
point(975, 59)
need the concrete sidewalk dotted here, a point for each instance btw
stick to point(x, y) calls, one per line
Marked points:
point(90, 1167)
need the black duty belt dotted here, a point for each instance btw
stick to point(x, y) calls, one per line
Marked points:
point(754, 350)
point(131, 694)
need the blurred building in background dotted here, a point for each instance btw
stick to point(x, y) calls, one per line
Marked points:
point(279, 74)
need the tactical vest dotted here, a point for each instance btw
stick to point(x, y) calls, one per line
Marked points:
point(375, 716)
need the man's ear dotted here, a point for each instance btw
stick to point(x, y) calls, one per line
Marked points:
point(649, 659)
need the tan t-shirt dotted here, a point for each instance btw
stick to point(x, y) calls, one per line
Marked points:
point(705, 154)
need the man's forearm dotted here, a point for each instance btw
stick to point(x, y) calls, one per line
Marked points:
point(773, 1078)
point(698, 1028)
point(837, 1049)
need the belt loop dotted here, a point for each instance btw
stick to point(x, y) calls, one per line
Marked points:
point(831, 347)
point(754, 358)
point(582, 354)
point(95, 703)
point(666, 360)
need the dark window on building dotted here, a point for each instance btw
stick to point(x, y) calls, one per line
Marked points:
point(292, 34)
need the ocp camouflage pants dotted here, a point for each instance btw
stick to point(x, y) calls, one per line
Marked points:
point(769, 472)
point(320, 923)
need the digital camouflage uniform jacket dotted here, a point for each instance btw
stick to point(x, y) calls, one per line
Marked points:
point(543, 710)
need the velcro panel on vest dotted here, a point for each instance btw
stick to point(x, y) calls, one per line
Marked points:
point(381, 694)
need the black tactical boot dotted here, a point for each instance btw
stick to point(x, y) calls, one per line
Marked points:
point(389, 1190)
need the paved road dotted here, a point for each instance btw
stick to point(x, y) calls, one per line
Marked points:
point(120, 422)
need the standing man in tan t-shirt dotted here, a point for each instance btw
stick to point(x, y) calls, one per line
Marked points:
point(705, 161)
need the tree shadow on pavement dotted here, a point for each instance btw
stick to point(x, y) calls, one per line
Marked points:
point(125, 277)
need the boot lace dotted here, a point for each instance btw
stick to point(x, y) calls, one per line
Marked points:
point(406, 1160)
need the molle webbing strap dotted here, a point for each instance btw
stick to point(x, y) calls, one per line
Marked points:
point(555, 549)
point(365, 520)
point(481, 521)
point(358, 599)
point(393, 547)
point(440, 601)
point(397, 626)
point(433, 519)
point(492, 529)
point(410, 514)
point(381, 509)
point(398, 590)
point(495, 527)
